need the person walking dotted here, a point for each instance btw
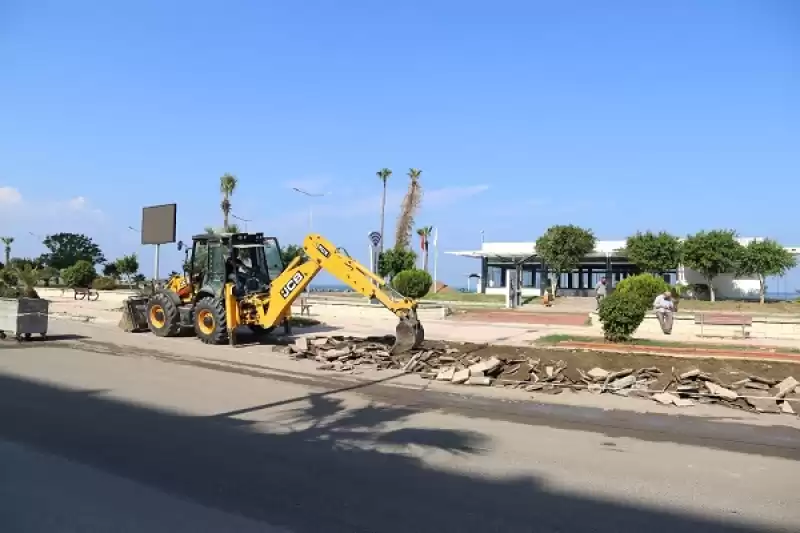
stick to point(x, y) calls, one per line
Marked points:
point(600, 291)
point(665, 309)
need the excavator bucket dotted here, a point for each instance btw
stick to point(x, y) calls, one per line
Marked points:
point(408, 334)
point(134, 314)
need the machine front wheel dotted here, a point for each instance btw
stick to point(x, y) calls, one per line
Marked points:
point(163, 317)
point(210, 322)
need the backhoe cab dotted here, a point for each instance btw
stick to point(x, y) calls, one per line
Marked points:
point(239, 279)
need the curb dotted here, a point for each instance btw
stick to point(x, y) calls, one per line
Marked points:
point(669, 351)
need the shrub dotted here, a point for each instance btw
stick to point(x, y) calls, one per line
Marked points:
point(393, 261)
point(81, 274)
point(621, 313)
point(412, 283)
point(104, 283)
point(643, 287)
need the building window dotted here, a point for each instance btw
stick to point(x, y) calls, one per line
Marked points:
point(497, 277)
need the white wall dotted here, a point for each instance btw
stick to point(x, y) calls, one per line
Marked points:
point(727, 285)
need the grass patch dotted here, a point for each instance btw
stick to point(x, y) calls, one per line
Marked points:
point(555, 340)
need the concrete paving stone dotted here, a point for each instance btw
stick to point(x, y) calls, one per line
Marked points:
point(786, 386)
point(461, 376)
point(720, 391)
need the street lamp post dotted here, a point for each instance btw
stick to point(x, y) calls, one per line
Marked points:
point(311, 205)
point(157, 261)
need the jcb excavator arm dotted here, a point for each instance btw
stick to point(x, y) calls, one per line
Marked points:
point(322, 254)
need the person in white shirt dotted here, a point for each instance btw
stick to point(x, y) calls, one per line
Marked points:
point(664, 308)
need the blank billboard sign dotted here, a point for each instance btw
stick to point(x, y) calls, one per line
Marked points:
point(159, 224)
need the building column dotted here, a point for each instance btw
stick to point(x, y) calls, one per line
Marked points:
point(484, 275)
point(609, 278)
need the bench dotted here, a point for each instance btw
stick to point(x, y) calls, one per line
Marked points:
point(720, 319)
point(305, 307)
point(81, 293)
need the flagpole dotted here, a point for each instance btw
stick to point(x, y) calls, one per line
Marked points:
point(435, 255)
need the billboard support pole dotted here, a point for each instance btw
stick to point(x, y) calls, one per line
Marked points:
point(158, 256)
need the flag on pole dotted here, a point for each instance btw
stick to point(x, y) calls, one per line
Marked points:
point(435, 237)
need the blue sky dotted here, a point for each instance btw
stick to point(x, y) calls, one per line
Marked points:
point(625, 115)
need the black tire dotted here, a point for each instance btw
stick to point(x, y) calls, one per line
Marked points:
point(163, 317)
point(210, 322)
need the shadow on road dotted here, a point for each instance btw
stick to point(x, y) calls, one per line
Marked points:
point(321, 472)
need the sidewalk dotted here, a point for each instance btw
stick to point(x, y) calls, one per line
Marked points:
point(489, 330)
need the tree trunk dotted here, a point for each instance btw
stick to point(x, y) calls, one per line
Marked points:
point(8, 256)
point(711, 292)
point(761, 288)
point(383, 212)
point(425, 258)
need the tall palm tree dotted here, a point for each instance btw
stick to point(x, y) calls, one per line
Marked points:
point(383, 174)
point(424, 233)
point(7, 242)
point(227, 186)
point(408, 209)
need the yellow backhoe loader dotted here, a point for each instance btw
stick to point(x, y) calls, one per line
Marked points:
point(239, 279)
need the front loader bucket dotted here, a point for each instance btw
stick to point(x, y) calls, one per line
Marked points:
point(408, 334)
point(134, 314)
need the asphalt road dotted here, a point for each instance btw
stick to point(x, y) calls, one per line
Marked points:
point(121, 441)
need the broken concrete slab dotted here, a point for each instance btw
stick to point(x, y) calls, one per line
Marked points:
point(446, 374)
point(475, 380)
point(720, 391)
point(665, 398)
point(460, 376)
point(598, 374)
point(786, 386)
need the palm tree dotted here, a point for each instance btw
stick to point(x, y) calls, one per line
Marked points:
point(28, 277)
point(227, 186)
point(409, 208)
point(7, 242)
point(383, 174)
point(424, 235)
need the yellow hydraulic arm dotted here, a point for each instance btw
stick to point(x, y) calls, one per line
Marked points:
point(322, 254)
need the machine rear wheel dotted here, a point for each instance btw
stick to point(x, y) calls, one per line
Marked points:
point(163, 317)
point(210, 322)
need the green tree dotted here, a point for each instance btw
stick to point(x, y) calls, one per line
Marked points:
point(7, 242)
point(81, 274)
point(424, 240)
point(393, 261)
point(764, 258)
point(227, 186)
point(47, 274)
point(383, 174)
point(412, 283)
point(128, 266)
point(712, 253)
point(654, 253)
point(288, 253)
point(408, 209)
point(66, 249)
point(563, 248)
point(110, 270)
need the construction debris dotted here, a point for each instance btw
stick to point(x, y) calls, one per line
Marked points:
point(516, 368)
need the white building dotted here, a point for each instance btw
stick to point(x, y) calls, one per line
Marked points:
point(608, 260)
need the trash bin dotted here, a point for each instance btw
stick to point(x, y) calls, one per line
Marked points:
point(24, 317)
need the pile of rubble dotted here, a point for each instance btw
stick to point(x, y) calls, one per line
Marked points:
point(463, 366)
